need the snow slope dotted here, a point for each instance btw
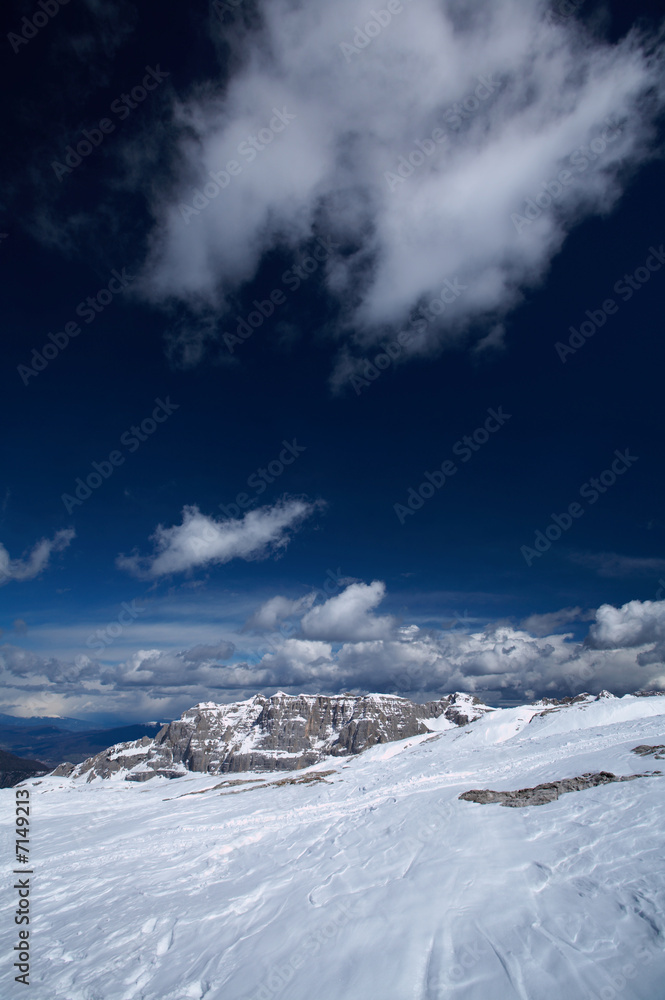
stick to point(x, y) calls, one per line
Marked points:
point(374, 880)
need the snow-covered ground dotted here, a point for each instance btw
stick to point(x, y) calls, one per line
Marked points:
point(375, 882)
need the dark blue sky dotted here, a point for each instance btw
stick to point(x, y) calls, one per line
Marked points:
point(462, 566)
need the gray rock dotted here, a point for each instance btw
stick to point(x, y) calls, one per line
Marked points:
point(550, 791)
point(281, 733)
point(645, 750)
point(63, 770)
point(556, 704)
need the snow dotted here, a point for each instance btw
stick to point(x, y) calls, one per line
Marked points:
point(376, 880)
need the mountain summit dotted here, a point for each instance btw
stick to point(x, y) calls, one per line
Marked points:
point(280, 733)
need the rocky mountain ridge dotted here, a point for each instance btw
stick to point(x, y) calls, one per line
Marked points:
point(278, 733)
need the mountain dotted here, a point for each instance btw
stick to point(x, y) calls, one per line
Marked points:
point(29, 722)
point(366, 874)
point(53, 745)
point(280, 733)
point(14, 769)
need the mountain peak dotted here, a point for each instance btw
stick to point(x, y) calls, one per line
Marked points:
point(280, 732)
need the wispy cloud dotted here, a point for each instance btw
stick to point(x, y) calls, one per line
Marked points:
point(553, 621)
point(201, 540)
point(519, 99)
point(613, 564)
point(276, 610)
point(34, 562)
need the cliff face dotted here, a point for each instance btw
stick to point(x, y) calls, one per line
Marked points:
point(281, 733)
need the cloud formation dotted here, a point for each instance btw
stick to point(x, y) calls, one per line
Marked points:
point(202, 540)
point(634, 624)
point(623, 652)
point(613, 564)
point(346, 617)
point(620, 644)
point(34, 562)
point(552, 621)
point(148, 683)
point(276, 610)
point(430, 148)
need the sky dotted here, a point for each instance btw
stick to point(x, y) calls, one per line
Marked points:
point(332, 351)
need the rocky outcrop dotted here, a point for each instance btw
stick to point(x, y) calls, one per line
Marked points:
point(646, 750)
point(281, 733)
point(556, 704)
point(550, 791)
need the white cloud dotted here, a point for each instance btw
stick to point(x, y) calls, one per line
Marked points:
point(624, 652)
point(346, 617)
point(636, 623)
point(158, 670)
point(147, 684)
point(274, 611)
point(535, 93)
point(202, 540)
point(622, 645)
point(32, 564)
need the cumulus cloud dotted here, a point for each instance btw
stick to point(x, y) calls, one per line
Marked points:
point(346, 646)
point(147, 684)
point(202, 540)
point(624, 651)
point(34, 562)
point(636, 623)
point(165, 671)
point(24, 668)
point(346, 617)
point(498, 659)
point(340, 644)
point(276, 610)
point(516, 97)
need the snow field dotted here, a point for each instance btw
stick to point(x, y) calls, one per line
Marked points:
point(376, 880)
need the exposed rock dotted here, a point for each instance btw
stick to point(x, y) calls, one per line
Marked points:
point(550, 791)
point(281, 733)
point(556, 704)
point(569, 700)
point(63, 770)
point(306, 779)
point(644, 750)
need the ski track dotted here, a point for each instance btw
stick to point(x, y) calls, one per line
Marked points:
point(380, 881)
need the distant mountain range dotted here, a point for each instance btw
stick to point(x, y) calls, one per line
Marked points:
point(53, 743)
point(17, 722)
point(14, 769)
